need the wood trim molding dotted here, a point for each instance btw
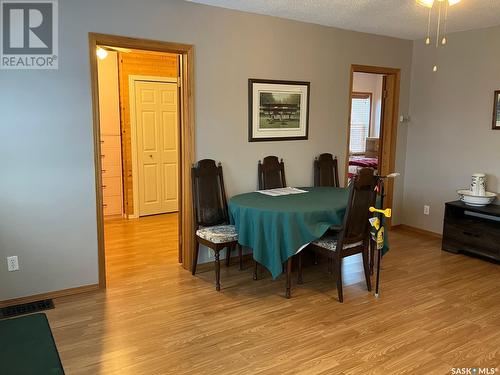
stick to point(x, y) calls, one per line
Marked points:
point(374, 69)
point(409, 228)
point(361, 95)
point(55, 294)
point(97, 159)
point(394, 137)
point(187, 139)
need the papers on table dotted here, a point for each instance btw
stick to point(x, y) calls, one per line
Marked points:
point(282, 191)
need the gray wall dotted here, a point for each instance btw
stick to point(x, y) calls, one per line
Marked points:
point(47, 186)
point(450, 136)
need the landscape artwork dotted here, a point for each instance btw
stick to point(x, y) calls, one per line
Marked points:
point(278, 110)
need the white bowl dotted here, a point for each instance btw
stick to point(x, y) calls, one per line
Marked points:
point(470, 199)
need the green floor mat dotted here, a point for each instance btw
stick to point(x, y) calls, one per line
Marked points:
point(27, 347)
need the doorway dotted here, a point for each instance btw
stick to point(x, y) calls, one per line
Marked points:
point(159, 144)
point(373, 119)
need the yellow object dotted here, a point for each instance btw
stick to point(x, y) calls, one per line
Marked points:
point(380, 238)
point(375, 222)
point(387, 212)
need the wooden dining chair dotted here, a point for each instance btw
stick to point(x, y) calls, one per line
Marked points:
point(353, 236)
point(326, 171)
point(212, 227)
point(271, 173)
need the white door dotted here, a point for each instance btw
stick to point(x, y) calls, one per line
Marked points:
point(157, 146)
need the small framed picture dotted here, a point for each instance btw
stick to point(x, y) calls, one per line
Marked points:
point(496, 111)
point(277, 110)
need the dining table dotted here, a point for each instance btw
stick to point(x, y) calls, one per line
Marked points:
point(277, 227)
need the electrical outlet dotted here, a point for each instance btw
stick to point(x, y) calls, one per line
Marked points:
point(427, 210)
point(12, 263)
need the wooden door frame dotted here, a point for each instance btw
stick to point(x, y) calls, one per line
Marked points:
point(132, 79)
point(391, 143)
point(187, 141)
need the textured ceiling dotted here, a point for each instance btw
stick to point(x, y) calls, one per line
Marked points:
point(397, 18)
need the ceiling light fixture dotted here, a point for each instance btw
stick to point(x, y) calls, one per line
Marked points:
point(426, 3)
point(442, 19)
point(101, 53)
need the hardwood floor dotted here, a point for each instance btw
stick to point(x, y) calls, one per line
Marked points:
point(436, 311)
point(135, 248)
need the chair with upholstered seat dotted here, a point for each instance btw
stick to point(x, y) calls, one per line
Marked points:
point(212, 227)
point(326, 171)
point(271, 173)
point(353, 236)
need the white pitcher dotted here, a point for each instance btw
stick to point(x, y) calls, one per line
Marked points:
point(478, 184)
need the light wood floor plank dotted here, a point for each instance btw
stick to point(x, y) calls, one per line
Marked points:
point(436, 311)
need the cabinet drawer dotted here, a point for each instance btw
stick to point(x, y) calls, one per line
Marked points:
point(478, 237)
point(109, 158)
point(112, 205)
point(111, 186)
point(112, 171)
point(113, 141)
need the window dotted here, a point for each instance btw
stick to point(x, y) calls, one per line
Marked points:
point(360, 121)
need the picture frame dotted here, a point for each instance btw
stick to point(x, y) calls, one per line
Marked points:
point(278, 110)
point(496, 111)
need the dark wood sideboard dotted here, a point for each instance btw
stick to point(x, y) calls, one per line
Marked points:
point(472, 229)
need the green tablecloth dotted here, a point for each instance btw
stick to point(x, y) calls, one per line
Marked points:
point(276, 227)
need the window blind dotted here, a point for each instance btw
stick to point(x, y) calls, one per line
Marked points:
point(360, 123)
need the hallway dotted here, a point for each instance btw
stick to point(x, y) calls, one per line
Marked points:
point(133, 247)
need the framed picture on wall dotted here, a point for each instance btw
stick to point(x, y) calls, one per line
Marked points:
point(277, 110)
point(496, 111)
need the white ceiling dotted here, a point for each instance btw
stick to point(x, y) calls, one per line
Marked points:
point(397, 18)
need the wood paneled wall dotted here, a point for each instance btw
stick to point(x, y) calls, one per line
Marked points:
point(138, 63)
